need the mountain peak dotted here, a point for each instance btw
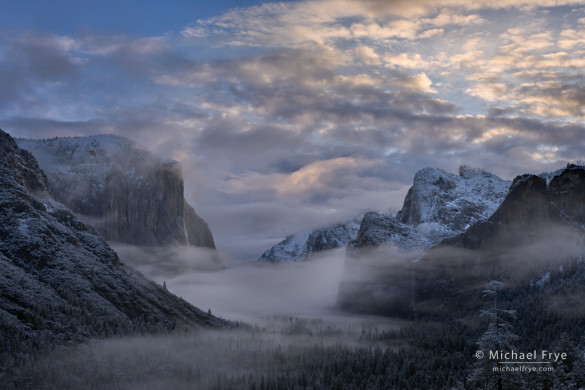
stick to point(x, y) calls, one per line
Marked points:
point(438, 199)
point(59, 279)
point(129, 194)
point(20, 165)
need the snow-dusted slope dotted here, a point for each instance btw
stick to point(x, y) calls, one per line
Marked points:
point(437, 206)
point(449, 204)
point(377, 229)
point(300, 246)
point(126, 192)
point(59, 280)
point(537, 227)
point(534, 204)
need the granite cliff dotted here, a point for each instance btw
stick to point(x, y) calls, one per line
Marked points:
point(59, 279)
point(128, 194)
point(538, 226)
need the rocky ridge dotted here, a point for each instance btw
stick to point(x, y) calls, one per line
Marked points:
point(533, 204)
point(59, 280)
point(128, 194)
point(300, 246)
point(538, 229)
point(437, 206)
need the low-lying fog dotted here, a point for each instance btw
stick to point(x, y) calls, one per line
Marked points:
point(290, 322)
point(207, 359)
point(287, 309)
point(242, 291)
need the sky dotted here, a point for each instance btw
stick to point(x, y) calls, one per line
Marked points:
point(292, 115)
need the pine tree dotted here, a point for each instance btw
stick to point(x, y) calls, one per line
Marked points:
point(497, 337)
point(570, 372)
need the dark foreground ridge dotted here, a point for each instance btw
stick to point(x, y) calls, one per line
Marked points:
point(59, 280)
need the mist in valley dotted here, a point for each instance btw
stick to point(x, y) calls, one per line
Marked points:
point(289, 332)
point(283, 316)
point(242, 290)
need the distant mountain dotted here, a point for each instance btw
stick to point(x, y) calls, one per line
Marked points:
point(538, 227)
point(59, 280)
point(449, 203)
point(437, 206)
point(531, 209)
point(127, 193)
point(299, 247)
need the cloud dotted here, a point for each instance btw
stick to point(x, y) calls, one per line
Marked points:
point(405, 60)
point(419, 82)
point(287, 115)
point(367, 55)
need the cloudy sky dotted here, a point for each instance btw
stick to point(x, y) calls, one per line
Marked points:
point(289, 115)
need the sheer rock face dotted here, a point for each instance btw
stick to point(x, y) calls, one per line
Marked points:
point(128, 194)
point(438, 205)
point(530, 208)
point(537, 227)
point(451, 202)
point(60, 280)
point(567, 194)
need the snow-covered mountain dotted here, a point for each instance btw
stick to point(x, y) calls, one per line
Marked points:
point(300, 246)
point(127, 193)
point(437, 206)
point(533, 205)
point(449, 203)
point(538, 228)
point(59, 280)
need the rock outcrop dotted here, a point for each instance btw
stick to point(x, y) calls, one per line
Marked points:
point(377, 229)
point(299, 247)
point(59, 280)
point(128, 194)
point(567, 194)
point(449, 203)
point(438, 205)
point(529, 209)
point(538, 227)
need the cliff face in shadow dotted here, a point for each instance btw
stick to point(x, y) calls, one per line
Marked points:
point(538, 229)
point(530, 209)
point(128, 194)
point(60, 281)
point(526, 211)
